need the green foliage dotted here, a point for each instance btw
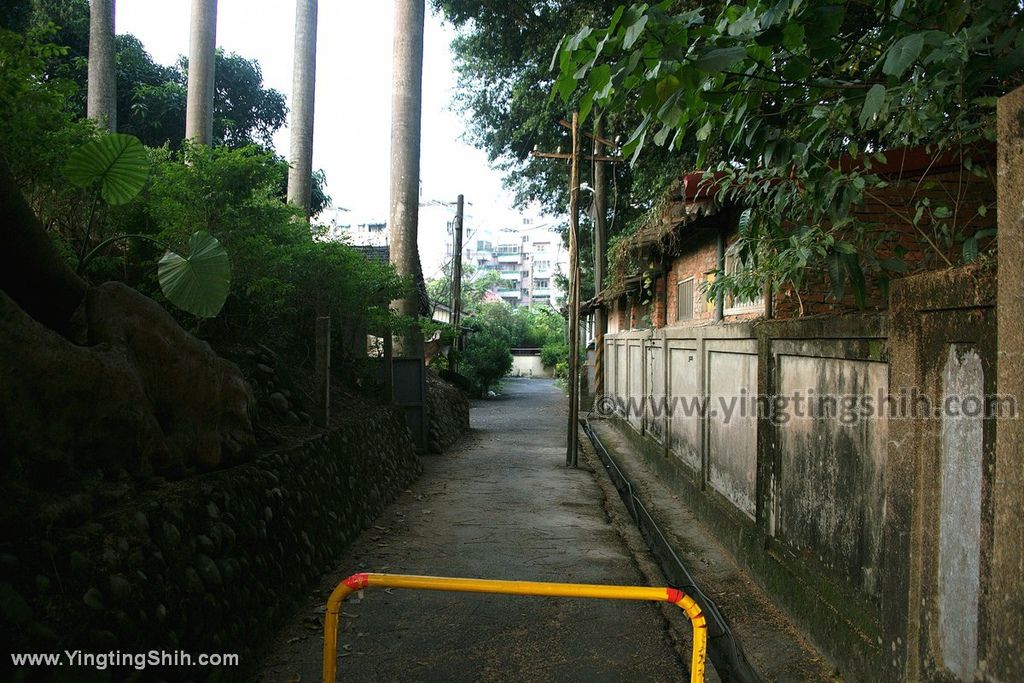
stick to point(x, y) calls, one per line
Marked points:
point(200, 282)
point(475, 285)
point(554, 353)
point(151, 97)
point(487, 357)
point(116, 161)
point(498, 328)
point(38, 127)
point(503, 51)
point(283, 272)
point(775, 91)
point(537, 327)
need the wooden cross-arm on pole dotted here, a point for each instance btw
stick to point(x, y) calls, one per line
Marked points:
point(593, 136)
point(568, 156)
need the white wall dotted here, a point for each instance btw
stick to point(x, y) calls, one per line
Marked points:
point(529, 366)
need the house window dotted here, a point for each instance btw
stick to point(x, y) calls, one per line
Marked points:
point(734, 266)
point(684, 299)
point(540, 284)
point(540, 247)
point(542, 265)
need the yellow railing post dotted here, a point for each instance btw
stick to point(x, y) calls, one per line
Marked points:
point(358, 582)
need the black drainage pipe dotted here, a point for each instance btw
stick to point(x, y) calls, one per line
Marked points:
point(724, 648)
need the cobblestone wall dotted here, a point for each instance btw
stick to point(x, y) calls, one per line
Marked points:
point(212, 564)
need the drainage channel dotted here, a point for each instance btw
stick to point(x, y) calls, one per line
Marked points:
point(724, 649)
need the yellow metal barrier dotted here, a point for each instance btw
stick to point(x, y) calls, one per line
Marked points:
point(358, 582)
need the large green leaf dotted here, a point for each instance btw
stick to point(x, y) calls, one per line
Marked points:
point(872, 103)
point(902, 54)
point(719, 59)
point(633, 31)
point(198, 284)
point(836, 275)
point(860, 291)
point(116, 160)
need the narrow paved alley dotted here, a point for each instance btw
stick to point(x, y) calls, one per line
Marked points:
point(502, 505)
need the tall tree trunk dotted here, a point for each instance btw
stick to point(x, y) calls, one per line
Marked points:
point(32, 271)
point(303, 95)
point(406, 101)
point(201, 60)
point(102, 92)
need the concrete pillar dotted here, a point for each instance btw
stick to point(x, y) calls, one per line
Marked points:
point(1005, 622)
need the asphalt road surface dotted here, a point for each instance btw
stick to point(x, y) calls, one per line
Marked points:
point(499, 505)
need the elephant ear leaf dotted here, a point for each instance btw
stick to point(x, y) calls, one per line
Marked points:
point(117, 161)
point(199, 283)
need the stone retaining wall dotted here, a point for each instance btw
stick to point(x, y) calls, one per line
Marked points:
point(448, 413)
point(212, 564)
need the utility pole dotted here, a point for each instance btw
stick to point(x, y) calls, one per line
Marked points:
point(600, 249)
point(574, 158)
point(572, 452)
point(457, 283)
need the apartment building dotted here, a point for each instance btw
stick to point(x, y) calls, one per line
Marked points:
point(528, 259)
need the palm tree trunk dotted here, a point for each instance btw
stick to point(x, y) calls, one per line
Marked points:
point(303, 95)
point(101, 103)
point(406, 101)
point(201, 60)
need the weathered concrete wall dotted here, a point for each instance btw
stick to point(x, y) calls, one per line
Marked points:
point(1005, 612)
point(829, 491)
point(938, 534)
point(731, 452)
point(962, 443)
point(211, 564)
point(685, 425)
point(654, 386)
point(634, 366)
point(801, 500)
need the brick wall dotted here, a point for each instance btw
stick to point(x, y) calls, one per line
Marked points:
point(696, 262)
point(659, 304)
point(888, 210)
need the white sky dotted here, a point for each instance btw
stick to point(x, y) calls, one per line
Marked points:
point(353, 95)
